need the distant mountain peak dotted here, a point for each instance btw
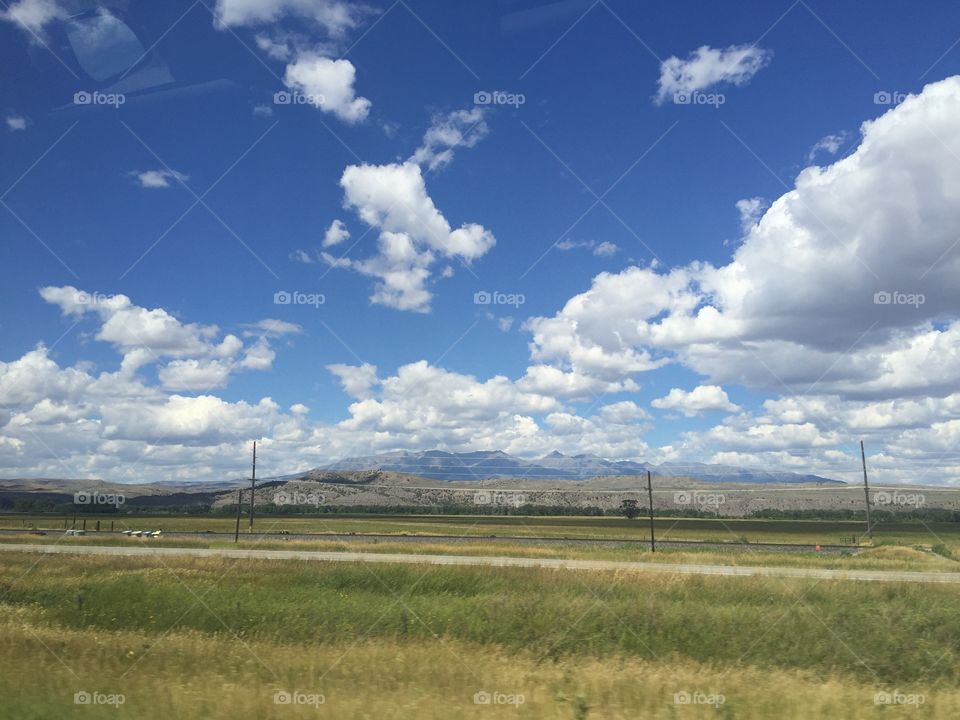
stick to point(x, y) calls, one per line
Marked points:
point(482, 464)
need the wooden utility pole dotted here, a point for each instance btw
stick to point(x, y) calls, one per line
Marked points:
point(253, 483)
point(653, 545)
point(866, 488)
point(236, 532)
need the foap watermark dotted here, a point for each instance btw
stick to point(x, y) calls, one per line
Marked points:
point(498, 97)
point(95, 697)
point(899, 499)
point(898, 698)
point(498, 498)
point(296, 497)
point(95, 298)
point(295, 297)
point(698, 697)
point(483, 697)
point(696, 97)
point(285, 97)
point(95, 97)
point(92, 497)
point(889, 97)
point(483, 297)
point(283, 697)
point(899, 298)
point(699, 499)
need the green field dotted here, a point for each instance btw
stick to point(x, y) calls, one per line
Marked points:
point(885, 557)
point(217, 638)
point(714, 530)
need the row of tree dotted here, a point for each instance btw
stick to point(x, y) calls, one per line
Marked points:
point(629, 509)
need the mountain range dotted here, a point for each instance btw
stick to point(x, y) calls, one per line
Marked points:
point(480, 465)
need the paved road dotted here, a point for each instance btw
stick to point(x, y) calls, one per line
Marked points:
point(494, 561)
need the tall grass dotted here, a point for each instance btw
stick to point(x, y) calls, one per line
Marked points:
point(198, 675)
point(891, 633)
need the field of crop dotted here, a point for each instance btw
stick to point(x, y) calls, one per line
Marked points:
point(884, 557)
point(219, 638)
point(713, 530)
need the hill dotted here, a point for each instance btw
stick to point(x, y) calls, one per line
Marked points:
point(441, 465)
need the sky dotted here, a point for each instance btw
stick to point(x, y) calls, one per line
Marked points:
point(661, 231)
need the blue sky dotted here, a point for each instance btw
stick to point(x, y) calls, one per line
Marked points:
point(634, 169)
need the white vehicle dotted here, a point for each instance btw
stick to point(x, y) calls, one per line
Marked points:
point(75, 532)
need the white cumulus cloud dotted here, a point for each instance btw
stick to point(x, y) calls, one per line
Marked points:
point(706, 67)
point(414, 233)
point(32, 16)
point(859, 253)
point(334, 16)
point(460, 128)
point(329, 84)
point(694, 402)
point(335, 234)
point(16, 122)
point(158, 178)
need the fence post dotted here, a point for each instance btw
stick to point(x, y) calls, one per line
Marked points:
point(653, 546)
point(236, 532)
point(866, 489)
point(253, 483)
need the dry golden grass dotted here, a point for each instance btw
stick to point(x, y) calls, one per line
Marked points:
point(389, 641)
point(193, 675)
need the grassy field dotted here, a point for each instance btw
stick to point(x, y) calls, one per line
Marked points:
point(885, 557)
point(725, 530)
point(218, 638)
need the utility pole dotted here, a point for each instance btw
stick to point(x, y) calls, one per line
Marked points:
point(866, 488)
point(653, 545)
point(236, 532)
point(253, 483)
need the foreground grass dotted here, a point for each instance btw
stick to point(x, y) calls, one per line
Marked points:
point(196, 675)
point(216, 638)
point(902, 633)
